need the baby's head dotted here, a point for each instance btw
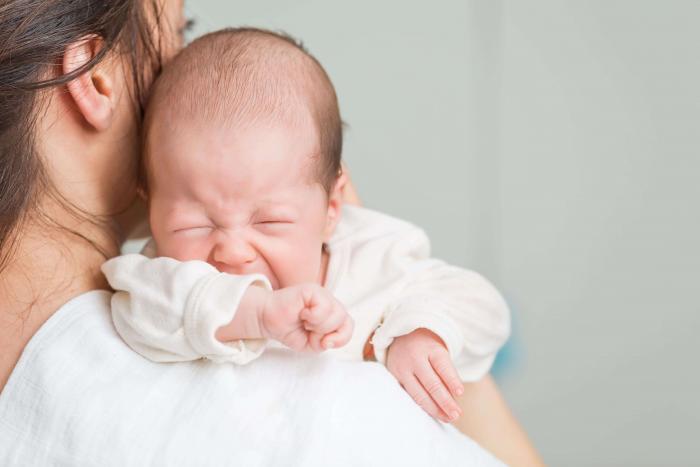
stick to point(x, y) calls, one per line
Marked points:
point(242, 156)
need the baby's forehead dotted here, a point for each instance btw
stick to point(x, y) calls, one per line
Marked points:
point(284, 150)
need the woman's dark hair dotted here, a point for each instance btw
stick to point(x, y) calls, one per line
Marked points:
point(34, 35)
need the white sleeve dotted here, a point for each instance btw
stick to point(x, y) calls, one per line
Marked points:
point(458, 305)
point(169, 311)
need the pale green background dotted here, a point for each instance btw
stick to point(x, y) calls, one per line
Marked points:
point(554, 146)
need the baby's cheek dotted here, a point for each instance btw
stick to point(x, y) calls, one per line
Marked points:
point(288, 272)
point(310, 265)
point(294, 268)
point(184, 250)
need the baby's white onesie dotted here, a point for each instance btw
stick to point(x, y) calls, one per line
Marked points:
point(379, 268)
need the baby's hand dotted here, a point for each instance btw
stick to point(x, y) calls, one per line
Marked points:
point(306, 317)
point(422, 364)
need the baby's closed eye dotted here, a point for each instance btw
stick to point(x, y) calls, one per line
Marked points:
point(194, 230)
point(273, 224)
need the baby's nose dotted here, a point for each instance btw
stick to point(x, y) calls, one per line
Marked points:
point(234, 251)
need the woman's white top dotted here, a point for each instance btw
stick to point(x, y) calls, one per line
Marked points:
point(79, 396)
point(380, 268)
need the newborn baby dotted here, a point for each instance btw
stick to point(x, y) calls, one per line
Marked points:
point(253, 246)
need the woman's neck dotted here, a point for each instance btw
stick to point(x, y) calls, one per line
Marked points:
point(47, 269)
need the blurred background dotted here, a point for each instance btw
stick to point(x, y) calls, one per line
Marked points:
point(554, 146)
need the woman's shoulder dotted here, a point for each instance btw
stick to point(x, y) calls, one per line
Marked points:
point(52, 365)
point(62, 347)
point(67, 328)
point(62, 333)
point(80, 396)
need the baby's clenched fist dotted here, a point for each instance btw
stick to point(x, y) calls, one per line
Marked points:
point(305, 318)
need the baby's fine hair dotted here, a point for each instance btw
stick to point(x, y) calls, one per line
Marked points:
point(244, 76)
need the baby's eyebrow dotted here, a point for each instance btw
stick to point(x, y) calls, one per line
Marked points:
point(184, 206)
point(280, 208)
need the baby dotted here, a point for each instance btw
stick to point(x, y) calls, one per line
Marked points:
point(253, 245)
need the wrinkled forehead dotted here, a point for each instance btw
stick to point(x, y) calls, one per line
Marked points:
point(242, 159)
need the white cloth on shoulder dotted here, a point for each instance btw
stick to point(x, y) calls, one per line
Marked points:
point(80, 397)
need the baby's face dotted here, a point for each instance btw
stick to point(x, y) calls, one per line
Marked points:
point(243, 200)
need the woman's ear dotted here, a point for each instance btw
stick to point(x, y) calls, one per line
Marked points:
point(92, 91)
point(335, 206)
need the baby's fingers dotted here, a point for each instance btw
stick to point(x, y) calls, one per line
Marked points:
point(434, 386)
point(414, 389)
point(319, 322)
point(315, 342)
point(316, 312)
point(341, 336)
point(443, 366)
point(323, 320)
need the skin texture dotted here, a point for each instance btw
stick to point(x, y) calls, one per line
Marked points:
point(51, 268)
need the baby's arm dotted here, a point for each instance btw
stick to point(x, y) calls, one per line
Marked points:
point(445, 327)
point(168, 310)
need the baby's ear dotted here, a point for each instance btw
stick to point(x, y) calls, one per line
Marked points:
point(335, 206)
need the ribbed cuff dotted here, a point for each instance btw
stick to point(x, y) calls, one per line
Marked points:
point(213, 304)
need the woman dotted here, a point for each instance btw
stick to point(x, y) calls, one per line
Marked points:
point(74, 75)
